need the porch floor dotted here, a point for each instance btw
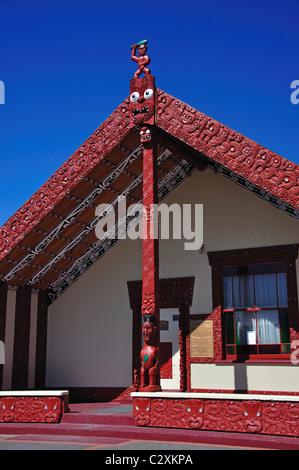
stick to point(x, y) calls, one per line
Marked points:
point(110, 426)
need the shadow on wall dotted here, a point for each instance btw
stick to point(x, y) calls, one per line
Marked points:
point(240, 377)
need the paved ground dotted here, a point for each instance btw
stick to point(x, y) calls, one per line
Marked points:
point(33, 442)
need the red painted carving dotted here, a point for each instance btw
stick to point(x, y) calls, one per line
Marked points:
point(143, 60)
point(150, 370)
point(169, 413)
point(233, 415)
point(7, 409)
point(145, 135)
point(150, 367)
point(243, 156)
point(142, 412)
point(142, 100)
point(281, 418)
point(150, 247)
point(31, 409)
point(173, 292)
point(249, 416)
point(148, 306)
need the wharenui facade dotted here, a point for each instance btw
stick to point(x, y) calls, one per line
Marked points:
point(160, 262)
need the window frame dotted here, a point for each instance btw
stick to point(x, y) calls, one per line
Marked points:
point(246, 257)
point(254, 350)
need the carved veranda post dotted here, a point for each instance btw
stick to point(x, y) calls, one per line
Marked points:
point(150, 368)
point(142, 113)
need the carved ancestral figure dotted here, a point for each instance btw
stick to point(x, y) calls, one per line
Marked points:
point(149, 374)
point(143, 60)
point(142, 89)
point(145, 135)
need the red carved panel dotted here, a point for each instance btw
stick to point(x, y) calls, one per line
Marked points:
point(250, 416)
point(142, 411)
point(239, 416)
point(150, 244)
point(31, 409)
point(229, 148)
point(7, 409)
point(281, 418)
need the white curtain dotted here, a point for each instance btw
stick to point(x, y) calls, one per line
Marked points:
point(246, 327)
point(264, 291)
point(268, 327)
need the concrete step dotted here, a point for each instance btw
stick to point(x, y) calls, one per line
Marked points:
point(98, 418)
point(67, 429)
point(114, 414)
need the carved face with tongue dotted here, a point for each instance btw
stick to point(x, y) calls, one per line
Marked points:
point(142, 100)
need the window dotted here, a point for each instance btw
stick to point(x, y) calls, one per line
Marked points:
point(255, 307)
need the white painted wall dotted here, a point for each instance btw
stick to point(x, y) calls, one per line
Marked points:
point(89, 330)
point(275, 378)
point(90, 325)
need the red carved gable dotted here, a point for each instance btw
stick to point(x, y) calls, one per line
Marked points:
point(182, 131)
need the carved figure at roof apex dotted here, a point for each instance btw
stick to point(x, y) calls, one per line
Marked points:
point(143, 60)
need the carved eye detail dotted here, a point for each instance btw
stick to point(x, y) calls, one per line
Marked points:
point(148, 93)
point(134, 96)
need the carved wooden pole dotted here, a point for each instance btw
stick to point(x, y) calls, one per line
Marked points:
point(142, 114)
point(150, 368)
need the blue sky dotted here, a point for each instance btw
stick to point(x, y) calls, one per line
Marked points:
point(66, 66)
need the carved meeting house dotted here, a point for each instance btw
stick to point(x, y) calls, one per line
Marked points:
point(176, 328)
